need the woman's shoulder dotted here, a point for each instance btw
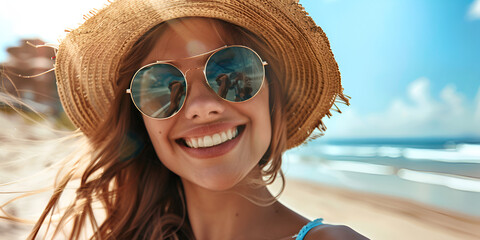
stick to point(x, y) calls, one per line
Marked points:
point(333, 232)
point(289, 223)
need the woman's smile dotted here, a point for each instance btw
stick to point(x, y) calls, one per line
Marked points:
point(211, 146)
point(211, 140)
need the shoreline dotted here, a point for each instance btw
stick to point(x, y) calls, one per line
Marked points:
point(377, 216)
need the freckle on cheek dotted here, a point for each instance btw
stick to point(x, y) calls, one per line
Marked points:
point(160, 132)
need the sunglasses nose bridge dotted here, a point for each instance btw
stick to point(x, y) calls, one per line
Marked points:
point(190, 69)
point(193, 77)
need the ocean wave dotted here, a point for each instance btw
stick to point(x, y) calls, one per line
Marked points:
point(460, 153)
point(451, 181)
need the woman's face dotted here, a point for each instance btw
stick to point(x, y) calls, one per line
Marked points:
point(205, 114)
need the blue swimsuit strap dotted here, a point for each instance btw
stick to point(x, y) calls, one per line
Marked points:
point(308, 227)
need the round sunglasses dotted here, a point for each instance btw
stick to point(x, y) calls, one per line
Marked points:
point(235, 73)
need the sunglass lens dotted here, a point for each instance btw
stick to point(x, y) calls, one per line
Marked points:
point(159, 90)
point(235, 73)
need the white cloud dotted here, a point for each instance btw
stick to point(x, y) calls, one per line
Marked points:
point(420, 115)
point(474, 10)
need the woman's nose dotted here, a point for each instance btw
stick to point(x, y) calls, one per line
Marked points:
point(201, 104)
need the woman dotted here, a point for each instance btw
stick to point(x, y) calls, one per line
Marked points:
point(170, 157)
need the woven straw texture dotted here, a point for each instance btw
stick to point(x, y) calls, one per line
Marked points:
point(88, 58)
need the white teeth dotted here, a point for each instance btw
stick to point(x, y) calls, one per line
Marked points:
point(207, 141)
point(215, 139)
point(224, 137)
point(194, 143)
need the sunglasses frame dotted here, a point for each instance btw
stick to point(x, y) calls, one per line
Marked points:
point(170, 62)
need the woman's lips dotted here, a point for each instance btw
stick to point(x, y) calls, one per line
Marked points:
point(216, 149)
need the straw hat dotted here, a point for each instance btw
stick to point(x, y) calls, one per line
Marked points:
point(88, 58)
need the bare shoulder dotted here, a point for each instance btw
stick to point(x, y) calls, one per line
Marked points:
point(333, 232)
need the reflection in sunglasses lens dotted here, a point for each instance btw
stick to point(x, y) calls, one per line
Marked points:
point(159, 90)
point(235, 73)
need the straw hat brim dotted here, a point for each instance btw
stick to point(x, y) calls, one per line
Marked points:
point(88, 59)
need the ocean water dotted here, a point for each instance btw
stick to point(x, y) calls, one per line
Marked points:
point(444, 173)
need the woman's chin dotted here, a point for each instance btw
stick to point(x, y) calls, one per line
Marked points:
point(216, 184)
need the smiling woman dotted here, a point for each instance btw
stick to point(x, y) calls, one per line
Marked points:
point(216, 163)
point(188, 107)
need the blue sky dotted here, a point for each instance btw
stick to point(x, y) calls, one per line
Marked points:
point(412, 67)
point(386, 44)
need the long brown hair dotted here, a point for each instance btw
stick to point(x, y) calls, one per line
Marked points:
point(143, 199)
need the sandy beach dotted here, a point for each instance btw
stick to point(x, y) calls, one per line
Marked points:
point(378, 216)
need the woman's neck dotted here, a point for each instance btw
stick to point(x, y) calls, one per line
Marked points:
point(227, 215)
point(231, 215)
